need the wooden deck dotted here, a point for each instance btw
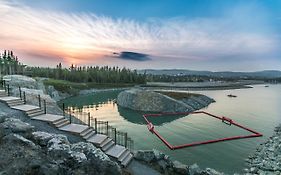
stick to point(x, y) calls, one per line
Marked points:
point(116, 151)
point(74, 128)
point(9, 98)
point(25, 108)
point(97, 139)
point(48, 117)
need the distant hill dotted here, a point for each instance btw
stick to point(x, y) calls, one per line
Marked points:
point(263, 74)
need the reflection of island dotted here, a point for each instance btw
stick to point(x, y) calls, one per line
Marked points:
point(137, 118)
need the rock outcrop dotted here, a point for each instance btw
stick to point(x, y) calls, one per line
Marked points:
point(145, 100)
point(165, 165)
point(267, 158)
point(32, 89)
point(24, 151)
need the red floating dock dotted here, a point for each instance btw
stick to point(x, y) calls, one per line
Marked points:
point(225, 120)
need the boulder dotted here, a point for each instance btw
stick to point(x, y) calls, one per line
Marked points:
point(145, 155)
point(41, 138)
point(147, 100)
point(180, 168)
point(19, 140)
point(12, 125)
point(20, 80)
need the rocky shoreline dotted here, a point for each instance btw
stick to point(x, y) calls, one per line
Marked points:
point(267, 157)
point(27, 151)
point(150, 101)
point(26, 148)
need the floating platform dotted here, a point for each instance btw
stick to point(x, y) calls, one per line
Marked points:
point(225, 120)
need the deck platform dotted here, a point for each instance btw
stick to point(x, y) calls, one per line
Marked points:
point(116, 151)
point(25, 108)
point(9, 98)
point(48, 117)
point(97, 139)
point(74, 128)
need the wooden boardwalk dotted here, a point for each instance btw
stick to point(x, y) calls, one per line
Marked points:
point(25, 108)
point(120, 153)
point(50, 118)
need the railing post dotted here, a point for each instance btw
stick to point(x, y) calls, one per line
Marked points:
point(115, 136)
point(39, 100)
point(63, 112)
point(70, 117)
point(24, 97)
point(126, 137)
point(8, 86)
point(45, 109)
point(89, 119)
point(96, 126)
point(107, 128)
point(20, 93)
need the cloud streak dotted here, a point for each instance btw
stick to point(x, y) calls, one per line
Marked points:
point(87, 38)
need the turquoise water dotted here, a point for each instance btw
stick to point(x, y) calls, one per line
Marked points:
point(257, 108)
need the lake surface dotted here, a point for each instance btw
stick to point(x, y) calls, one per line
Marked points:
point(257, 108)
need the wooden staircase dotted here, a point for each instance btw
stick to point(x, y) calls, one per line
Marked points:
point(105, 143)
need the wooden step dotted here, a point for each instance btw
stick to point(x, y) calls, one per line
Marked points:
point(106, 141)
point(33, 111)
point(89, 135)
point(61, 123)
point(127, 160)
point(116, 151)
point(86, 131)
point(36, 113)
point(124, 155)
point(97, 139)
point(15, 103)
point(108, 146)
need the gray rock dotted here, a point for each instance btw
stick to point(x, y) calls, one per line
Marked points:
point(20, 80)
point(83, 147)
point(15, 138)
point(194, 169)
point(145, 155)
point(16, 126)
point(146, 100)
point(180, 168)
point(59, 147)
point(42, 138)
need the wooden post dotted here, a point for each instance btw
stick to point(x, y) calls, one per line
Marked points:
point(115, 136)
point(63, 112)
point(107, 128)
point(70, 117)
point(89, 119)
point(39, 100)
point(126, 137)
point(8, 86)
point(45, 108)
point(20, 93)
point(96, 126)
point(24, 97)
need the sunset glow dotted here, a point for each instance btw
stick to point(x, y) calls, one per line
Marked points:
point(55, 35)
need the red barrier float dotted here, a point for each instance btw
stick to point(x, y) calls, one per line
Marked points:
point(225, 120)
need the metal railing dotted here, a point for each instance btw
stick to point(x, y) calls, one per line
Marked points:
point(77, 116)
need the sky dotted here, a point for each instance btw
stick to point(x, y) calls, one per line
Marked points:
point(216, 35)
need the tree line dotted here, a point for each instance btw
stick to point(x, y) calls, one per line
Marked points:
point(9, 64)
point(85, 74)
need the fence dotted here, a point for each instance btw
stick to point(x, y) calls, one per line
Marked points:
point(77, 116)
point(22, 95)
